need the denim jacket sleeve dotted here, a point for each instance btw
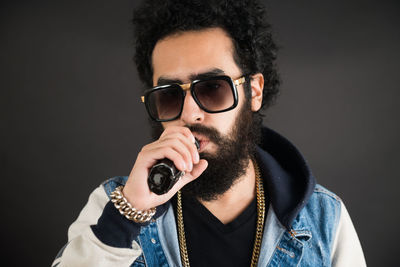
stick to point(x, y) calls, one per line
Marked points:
point(84, 248)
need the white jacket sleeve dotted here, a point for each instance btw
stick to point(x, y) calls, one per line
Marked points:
point(346, 250)
point(84, 248)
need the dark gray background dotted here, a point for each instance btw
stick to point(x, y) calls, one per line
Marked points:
point(71, 116)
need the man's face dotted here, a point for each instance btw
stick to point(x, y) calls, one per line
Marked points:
point(180, 57)
point(224, 137)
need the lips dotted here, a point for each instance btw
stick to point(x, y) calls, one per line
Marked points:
point(203, 142)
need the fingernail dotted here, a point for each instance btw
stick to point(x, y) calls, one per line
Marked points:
point(196, 157)
point(190, 166)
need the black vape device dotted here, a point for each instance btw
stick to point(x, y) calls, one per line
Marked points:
point(163, 175)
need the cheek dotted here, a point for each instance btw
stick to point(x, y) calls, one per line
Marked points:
point(223, 122)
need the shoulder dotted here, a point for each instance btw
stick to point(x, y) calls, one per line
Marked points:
point(324, 200)
point(321, 191)
point(324, 206)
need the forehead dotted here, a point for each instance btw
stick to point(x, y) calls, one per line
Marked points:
point(187, 54)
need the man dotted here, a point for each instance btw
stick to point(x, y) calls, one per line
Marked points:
point(247, 197)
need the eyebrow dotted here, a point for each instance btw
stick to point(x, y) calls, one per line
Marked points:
point(163, 80)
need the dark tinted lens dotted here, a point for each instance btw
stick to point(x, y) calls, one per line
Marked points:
point(214, 95)
point(165, 103)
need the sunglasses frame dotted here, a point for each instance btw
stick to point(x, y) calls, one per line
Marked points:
point(190, 86)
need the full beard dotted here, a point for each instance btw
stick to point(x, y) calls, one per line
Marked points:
point(231, 159)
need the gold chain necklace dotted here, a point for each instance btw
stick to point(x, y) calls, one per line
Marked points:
point(260, 222)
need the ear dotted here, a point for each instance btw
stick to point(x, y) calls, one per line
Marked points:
point(257, 86)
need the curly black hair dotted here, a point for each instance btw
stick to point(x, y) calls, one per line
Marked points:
point(244, 21)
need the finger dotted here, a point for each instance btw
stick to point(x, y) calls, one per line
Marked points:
point(178, 129)
point(168, 152)
point(183, 150)
point(194, 154)
point(198, 169)
point(175, 144)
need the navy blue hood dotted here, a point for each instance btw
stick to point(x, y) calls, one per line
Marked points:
point(288, 179)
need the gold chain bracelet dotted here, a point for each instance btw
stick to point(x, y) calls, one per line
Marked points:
point(126, 209)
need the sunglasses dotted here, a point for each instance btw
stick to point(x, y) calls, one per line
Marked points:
point(213, 95)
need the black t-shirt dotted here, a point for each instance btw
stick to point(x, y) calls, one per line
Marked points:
point(212, 243)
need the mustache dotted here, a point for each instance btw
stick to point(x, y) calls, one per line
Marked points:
point(210, 132)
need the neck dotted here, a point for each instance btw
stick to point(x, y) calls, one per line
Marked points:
point(233, 202)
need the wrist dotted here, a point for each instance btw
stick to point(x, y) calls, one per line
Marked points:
point(136, 201)
point(126, 208)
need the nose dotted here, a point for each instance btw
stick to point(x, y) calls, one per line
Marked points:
point(191, 112)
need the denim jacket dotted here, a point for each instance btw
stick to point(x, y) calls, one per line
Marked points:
point(306, 225)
